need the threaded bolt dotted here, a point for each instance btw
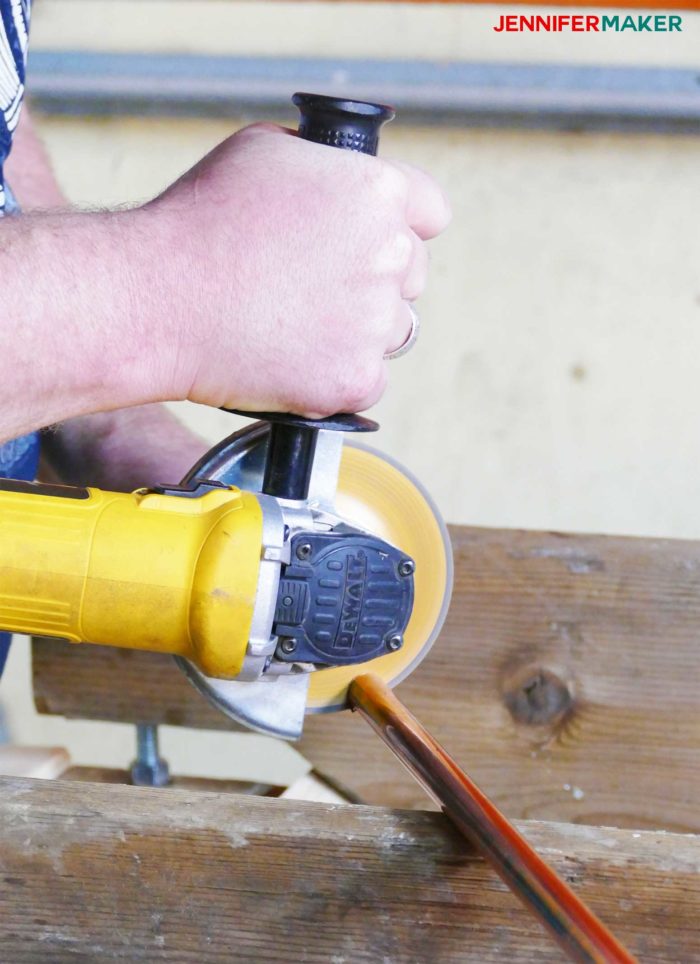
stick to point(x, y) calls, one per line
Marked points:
point(149, 769)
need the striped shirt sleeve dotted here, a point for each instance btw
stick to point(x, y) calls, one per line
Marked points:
point(14, 29)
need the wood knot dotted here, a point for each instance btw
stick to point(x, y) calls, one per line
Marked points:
point(537, 696)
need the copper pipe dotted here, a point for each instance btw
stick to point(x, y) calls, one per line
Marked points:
point(578, 931)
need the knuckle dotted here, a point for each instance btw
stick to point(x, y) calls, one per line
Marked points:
point(439, 202)
point(417, 276)
point(414, 288)
point(403, 251)
point(360, 390)
point(394, 308)
point(376, 388)
point(256, 129)
point(446, 207)
point(388, 258)
point(385, 181)
point(354, 395)
point(311, 403)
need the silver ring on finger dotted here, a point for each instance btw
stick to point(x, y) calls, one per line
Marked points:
point(410, 340)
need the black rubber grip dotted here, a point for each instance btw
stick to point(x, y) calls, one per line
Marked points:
point(351, 125)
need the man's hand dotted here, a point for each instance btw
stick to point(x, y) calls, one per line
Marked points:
point(293, 266)
point(272, 275)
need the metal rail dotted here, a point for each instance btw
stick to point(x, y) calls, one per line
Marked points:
point(577, 930)
point(454, 93)
point(604, 4)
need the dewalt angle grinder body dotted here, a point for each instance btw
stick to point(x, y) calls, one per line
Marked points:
point(283, 564)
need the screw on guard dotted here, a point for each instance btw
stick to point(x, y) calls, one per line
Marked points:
point(576, 928)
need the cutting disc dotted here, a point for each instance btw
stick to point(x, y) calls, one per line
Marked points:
point(381, 496)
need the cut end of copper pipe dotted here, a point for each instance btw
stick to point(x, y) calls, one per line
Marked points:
point(577, 930)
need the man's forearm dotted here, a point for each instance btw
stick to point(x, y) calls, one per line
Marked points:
point(119, 450)
point(122, 450)
point(72, 341)
point(28, 170)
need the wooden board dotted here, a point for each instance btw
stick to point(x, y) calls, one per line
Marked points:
point(93, 873)
point(112, 775)
point(39, 762)
point(565, 681)
point(310, 786)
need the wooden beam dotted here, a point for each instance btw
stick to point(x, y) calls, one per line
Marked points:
point(564, 681)
point(93, 872)
point(97, 683)
point(112, 775)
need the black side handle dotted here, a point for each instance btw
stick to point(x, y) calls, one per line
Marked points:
point(350, 125)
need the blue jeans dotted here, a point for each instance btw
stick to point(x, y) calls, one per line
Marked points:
point(19, 459)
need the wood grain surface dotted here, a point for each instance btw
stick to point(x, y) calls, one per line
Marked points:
point(112, 775)
point(566, 681)
point(102, 873)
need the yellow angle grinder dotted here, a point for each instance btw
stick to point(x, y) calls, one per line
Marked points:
point(283, 565)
